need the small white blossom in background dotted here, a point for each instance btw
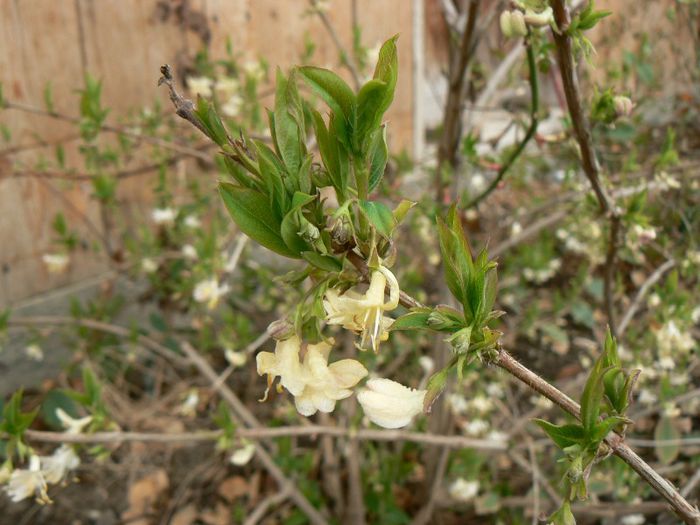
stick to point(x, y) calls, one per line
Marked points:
point(494, 390)
point(57, 466)
point(666, 363)
point(480, 404)
point(542, 275)
point(694, 257)
point(226, 87)
point(653, 300)
point(390, 404)
point(192, 221)
point(476, 427)
point(55, 263)
point(322, 6)
point(666, 181)
point(638, 235)
point(315, 385)
point(463, 490)
point(498, 436)
point(253, 69)
point(695, 315)
point(647, 397)
point(633, 519)
point(458, 403)
point(34, 352)
point(148, 265)
point(163, 216)
point(210, 292)
point(364, 313)
point(515, 229)
point(232, 107)
point(671, 410)
point(188, 408)
point(477, 182)
point(27, 483)
point(426, 363)
point(189, 252)
point(200, 86)
point(671, 340)
point(243, 455)
point(235, 359)
point(72, 425)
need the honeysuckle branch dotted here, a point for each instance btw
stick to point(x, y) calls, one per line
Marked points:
point(615, 442)
point(451, 130)
point(531, 130)
point(264, 433)
point(589, 159)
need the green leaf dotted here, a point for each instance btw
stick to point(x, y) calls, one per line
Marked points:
point(603, 428)
point(436, 385)
point(370, 110)
point(563, 435)
point(416, 319)
point(666, 430)
point(333, 154)
point(332, 89)
point(211, 122)
point(288, 136)
point(271, 171)
point(251, 212)
point(402, 210)
point(379, 156)
point(380, 216)
point(289, 229)
point(324, 262)
point(592, 396)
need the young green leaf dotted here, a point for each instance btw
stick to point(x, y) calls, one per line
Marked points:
point(666, 430)
point(251, 212)
point(332, 89)
point(379, 156)
point(416, 319)
point(379, 216)
point(563, 435)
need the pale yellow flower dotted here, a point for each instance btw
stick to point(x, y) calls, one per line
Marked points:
point(364, 313)
point(71, 424)
point(390, 404)
point(210, 291)
point(55, 263)
point(243, 455)
point(25, 483)
point(59, 464)
point(314, 383)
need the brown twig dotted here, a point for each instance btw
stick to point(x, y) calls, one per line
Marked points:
point(345, 58)
point(504, 360)
point(452, 129)
point(636, 303)
point(264, 433)
point(166, 144)
point(589, 159)
point(264, 506)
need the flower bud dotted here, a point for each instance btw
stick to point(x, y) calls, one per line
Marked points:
point(390, 404)
point(539, 19)
point(513, 24)
point(280, 330)
point(308, 231)
point(623, 106)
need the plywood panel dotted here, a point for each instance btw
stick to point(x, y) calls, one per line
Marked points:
point(123, 43)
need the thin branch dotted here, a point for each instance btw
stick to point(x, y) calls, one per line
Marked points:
point(166, 144)
point(504, 360)
point(265, 505)
point(531, 130)
point(643, 290)
point(589, 160)
point(345, 57)
point(452, 129)
point(101, 326)
point(425, 514)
